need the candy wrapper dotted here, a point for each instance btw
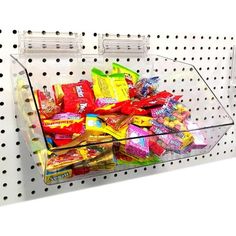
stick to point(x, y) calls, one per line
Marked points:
point(147, 87)
point(110, 109)
point(109, 87)
point(158, 99)
point(115, 121)
point(172, 109)
point(78, 97)
point(129, 74)
point(172, 141)
point(61, 161)
point(156, 148)
point(46, 104)
point(94, 124)
point(58, 175)
point(100, 102)
point(66, 116)
point(62, 139)
point(58, 94)
point(63, 126)
point(104, 160)
point(199, 139)
point(137, 146)
point(143, 121)
point(83, 155)
point(124, 157)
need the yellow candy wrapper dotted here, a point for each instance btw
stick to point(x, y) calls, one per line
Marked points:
point(112, 87)
point(143, 121)
point(93, 123)
point(120, 87)
point(58, 93)
point(58, 175)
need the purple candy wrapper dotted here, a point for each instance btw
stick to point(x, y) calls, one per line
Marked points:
point(138, 147)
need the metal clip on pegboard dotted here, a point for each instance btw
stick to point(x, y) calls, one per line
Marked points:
point(97, 148)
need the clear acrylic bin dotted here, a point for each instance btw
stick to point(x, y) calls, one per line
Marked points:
point(39, 67)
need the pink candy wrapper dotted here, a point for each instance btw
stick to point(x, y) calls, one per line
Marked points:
point(199, 139)
point(138, 147)
point(66, 116)
point(100, 102)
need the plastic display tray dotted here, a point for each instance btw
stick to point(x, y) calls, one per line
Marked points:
point(113, 153)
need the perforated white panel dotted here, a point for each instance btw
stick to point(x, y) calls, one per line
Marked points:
point(19, 177)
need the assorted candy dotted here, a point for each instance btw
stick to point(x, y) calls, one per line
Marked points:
point(117, 119)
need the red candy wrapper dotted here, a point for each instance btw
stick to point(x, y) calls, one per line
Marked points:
point(62, 139)
point(78, 97)
point(130, 108)
point(132, 89)
point(109, 109)
point(155, 100)
point(156, 148)
point(46, 103)
point(63, 126)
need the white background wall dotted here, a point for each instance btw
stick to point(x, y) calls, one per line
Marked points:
point(195, 201)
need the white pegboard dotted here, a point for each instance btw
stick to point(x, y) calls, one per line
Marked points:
point(19, 177)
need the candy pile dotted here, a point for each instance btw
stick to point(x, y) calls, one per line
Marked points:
point(119, 106)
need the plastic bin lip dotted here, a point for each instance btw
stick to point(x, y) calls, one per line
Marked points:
point(228, 122)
